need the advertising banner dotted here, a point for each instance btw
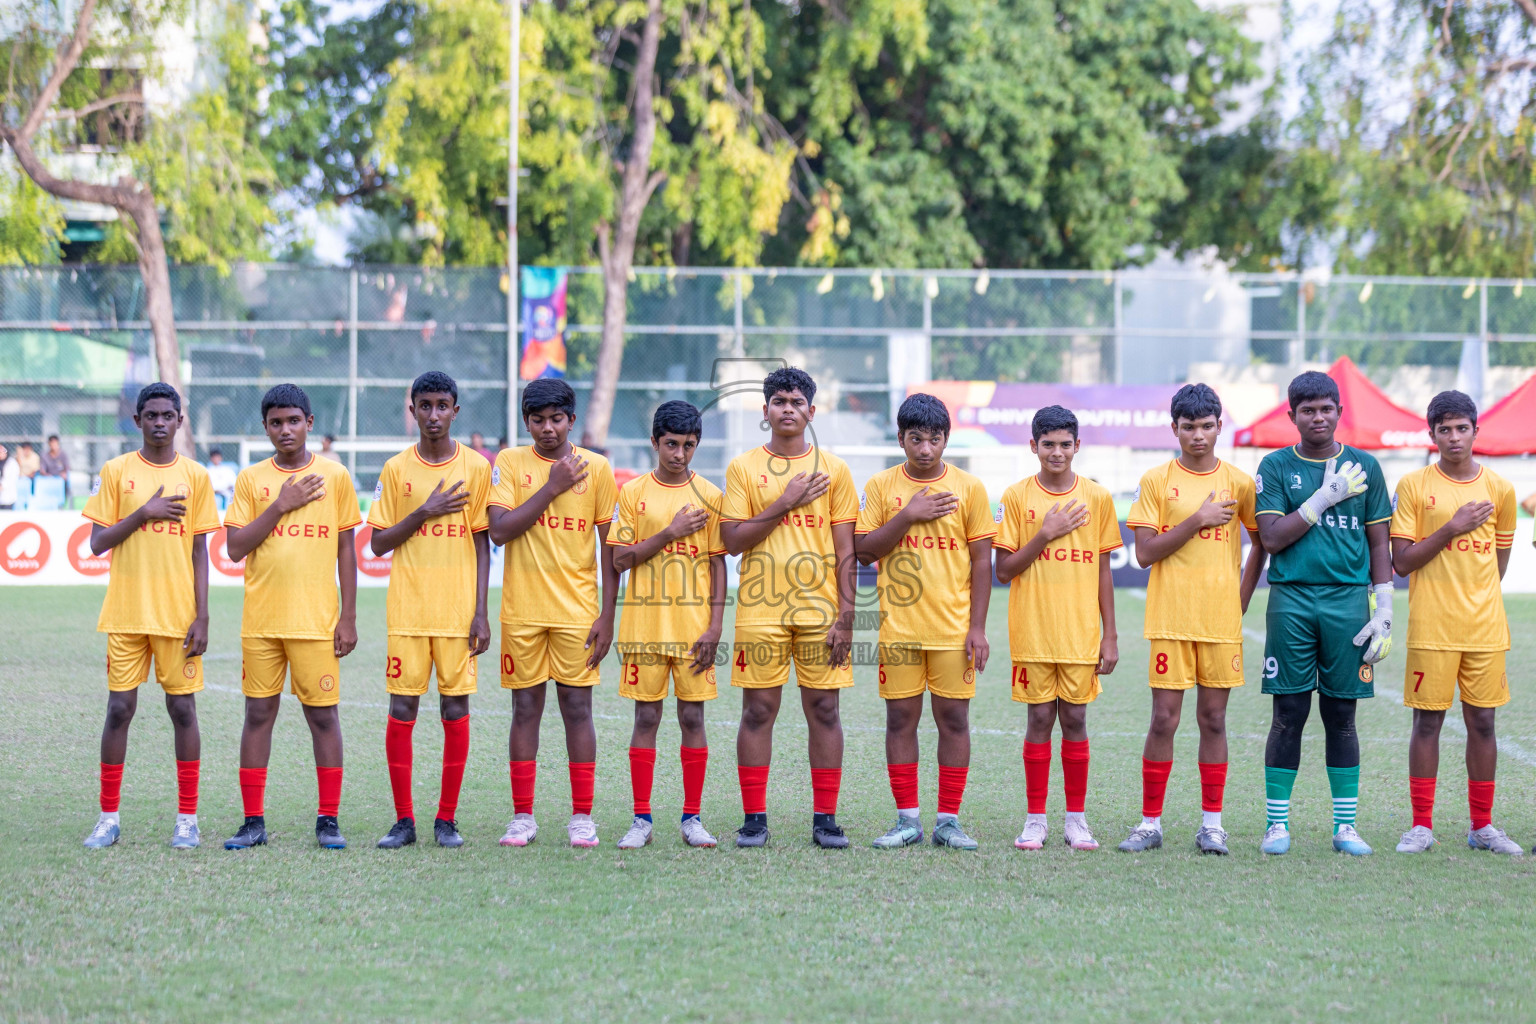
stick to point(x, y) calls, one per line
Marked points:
point(987, 413)
point(543, 292)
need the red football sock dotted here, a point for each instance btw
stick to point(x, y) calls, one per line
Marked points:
point(455, 754)
point(328, 778)
point(825, 782)
point(583, 776)
point(523, 775)
point(1421, 794)
point(1213, 785)
point(111, 787)
point(253, 791)
point(642, 771)
point(397, 752)
point(1037, 775)
point(903, 784)
point(1480, 801)
point(753, 779)
point(1074, 773)
point(1154, 784)
point(186, 786)
point(695, 763)
point(952, 787)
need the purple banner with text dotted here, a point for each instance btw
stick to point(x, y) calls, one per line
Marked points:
point(987, 413)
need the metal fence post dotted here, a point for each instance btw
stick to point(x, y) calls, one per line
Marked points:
point(1119, 331)
point(1299, 346)
point(352, 386)
point(739, 343)
point(512, 369)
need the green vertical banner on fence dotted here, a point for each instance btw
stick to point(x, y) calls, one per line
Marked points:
point(543, 291)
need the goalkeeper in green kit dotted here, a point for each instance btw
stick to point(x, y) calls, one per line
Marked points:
point(1324, 513)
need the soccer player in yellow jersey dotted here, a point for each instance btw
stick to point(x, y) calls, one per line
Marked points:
point(667, 536)
point(1186, 517)
point(1057, 530)
point(1453, 524)
point(291, 522)
point(790, 509)
point(429, 508)
point(551, 506)
point(930, 526)
point(154, 510)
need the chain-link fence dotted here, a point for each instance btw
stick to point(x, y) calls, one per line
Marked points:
point(74, 346)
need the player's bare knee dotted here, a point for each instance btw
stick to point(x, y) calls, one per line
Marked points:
point(260, 712)
point(690, 715)
point(1427, 723)
point(821, 710)
point(451, 709)
point(322, 719)
point(1479, 722)
point(528, 703)
point(648, 715)
point(575, 704)
point(403, 708)
point(121, 706)
point(1074, 720)
point(1165, 721)
point(902, 717)
point(1212, 721)
point(1042, 716)
point(182, 709)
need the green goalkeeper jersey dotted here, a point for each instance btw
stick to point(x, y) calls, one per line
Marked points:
point(1334, 552)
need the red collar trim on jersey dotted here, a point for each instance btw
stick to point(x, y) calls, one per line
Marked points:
point(311, 462)
point(1185, 469)
point(1451, 479)
point(773, 454)
point(545, 458)
point(1077, 479)
point(416, 450)
point(915, 480)
point(175, 457)
point(672, 487)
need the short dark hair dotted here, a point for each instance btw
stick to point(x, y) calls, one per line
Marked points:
point(1195, 402)
point(677, 417)
point(547, 392)
point(1053, 417)
point(922, 412)
point(53, 437)
point(159, 389)
point(284, 396)
point(1451, 405)
point(1312, 384)
point(789, 378)
point(434, 382)
point(215, 450)
point(330, 438)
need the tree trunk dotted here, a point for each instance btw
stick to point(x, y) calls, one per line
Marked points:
point(616, 243)
point(129, 197)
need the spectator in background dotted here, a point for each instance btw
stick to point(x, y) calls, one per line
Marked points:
point(27, 460)
point(54, 462)
point(10, 472)
point(477, 442)
point(327, 451)
point(221, 476)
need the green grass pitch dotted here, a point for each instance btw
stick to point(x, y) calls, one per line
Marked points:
point(141, 932)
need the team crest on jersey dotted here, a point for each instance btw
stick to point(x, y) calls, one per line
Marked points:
point(579, 487)
point(495, 475)
point(997, 514)
point(1365, 673)
point(1295, 481)
point(1225, 494)
point(378, 491)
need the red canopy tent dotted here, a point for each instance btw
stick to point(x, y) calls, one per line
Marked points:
point(1509, 426)
point(1370, 419)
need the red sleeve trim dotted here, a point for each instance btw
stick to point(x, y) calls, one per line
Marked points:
point(351, 526)
point(480, 529)
point(501, 504)
point(203, 533)
point(1133, 523)
point(1406, 536)
point(1112, 547)
point(603, 522)
point(731, 519)
point(1504, 545)
point(981, 536)
point(1004, 547)
point(840, 522)
point(230, 522)
point(721, 551)
point(98, 522)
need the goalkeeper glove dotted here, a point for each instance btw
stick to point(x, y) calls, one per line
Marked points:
point(1339, 483)
point(1379, 630)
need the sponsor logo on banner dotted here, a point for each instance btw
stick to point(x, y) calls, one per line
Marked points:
point(368, 563)
point(86, 561)
point(24, 548)
point(218, 554)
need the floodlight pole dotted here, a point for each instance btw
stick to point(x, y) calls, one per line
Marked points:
point(513, 101)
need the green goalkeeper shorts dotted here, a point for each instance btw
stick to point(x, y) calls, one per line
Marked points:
point(1311, 641)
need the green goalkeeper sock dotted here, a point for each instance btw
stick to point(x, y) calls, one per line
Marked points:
point(1345, 785)
point(1277, 794)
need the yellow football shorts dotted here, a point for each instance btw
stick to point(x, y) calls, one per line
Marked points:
point(764, 652)
point(129, 654)
point(907, 671)
point(531, 655)
point(643, 675)
point(311, 664)
point(1040, 682)
point(410, 660)
point(1181, 664)
point(1433, 677)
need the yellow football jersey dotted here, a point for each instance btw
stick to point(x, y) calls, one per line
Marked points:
point(666, 599)
point(925, 583)
point(432, 575)
point(789, 579)
point(290, 579)
point(1053, 607)
point(550, 577)
point(1195, 593)
point(150, 589)
point(1456, 603)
